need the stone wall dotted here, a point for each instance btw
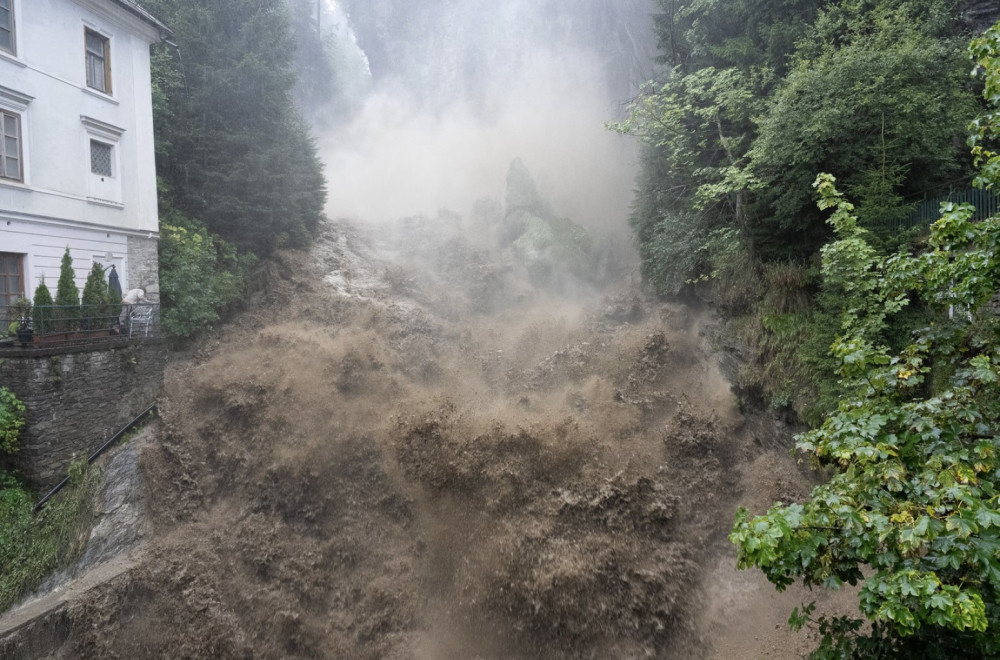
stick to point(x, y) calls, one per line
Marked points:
point(143, 266)
point(76, 398)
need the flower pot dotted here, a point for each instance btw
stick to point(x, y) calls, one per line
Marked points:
point(25, 336)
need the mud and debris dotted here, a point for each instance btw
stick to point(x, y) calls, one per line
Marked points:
point(402, 449)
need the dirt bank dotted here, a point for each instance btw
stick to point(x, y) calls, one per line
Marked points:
point(403, 451)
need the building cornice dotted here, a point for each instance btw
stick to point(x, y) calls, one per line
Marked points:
point(16, 216)
point(15, 97)
point(98, 126)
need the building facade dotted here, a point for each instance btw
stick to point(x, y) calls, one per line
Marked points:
point(76, 158)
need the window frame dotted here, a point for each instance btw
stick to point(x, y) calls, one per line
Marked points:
point(4, 114)
point(102, 189)
point(105, 59)
point(11, 10)
point(7, 297)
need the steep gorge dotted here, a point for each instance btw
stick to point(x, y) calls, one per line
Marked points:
point(379, 461)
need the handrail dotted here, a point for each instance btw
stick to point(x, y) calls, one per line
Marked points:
point(93, 457)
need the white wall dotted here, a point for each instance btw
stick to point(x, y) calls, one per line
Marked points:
point(61, 202)
point(44, 244)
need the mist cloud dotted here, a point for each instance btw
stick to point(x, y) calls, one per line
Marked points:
point(442, 131)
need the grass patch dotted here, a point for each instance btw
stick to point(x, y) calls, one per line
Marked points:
point(32, 546)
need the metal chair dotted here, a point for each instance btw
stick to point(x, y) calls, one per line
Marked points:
point(140, 319)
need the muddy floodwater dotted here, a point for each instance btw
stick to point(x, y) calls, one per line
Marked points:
point(404, 450)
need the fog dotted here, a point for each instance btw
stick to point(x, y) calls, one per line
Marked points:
point(459, 89)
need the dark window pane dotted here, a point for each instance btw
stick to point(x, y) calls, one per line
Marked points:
point(100, 158)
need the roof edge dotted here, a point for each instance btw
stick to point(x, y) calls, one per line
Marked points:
point(136, 10)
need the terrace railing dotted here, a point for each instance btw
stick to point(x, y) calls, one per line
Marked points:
point(85, 324)
point(929, 209)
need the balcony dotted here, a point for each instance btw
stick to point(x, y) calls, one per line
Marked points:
point(80, 325)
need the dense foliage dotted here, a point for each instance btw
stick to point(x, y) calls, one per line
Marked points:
point(912, 508)
point(33, 545)
point(230, 145)
point(762, 95)
point(765, 93)
point(239, 172)
point(200, 275)
point(11, 420)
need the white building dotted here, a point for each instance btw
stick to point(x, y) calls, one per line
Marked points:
point(76, 156)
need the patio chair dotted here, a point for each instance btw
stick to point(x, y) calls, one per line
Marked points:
point(140, 320)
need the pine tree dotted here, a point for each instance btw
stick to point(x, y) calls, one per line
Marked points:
point(232, 149)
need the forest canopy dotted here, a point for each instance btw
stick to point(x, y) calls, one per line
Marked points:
point(232, 149)
point(879, 330)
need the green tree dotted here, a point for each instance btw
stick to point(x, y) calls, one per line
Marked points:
point(914, 490)
point(201, 276)
point(877, 95)
point(42, 309)
point(231, 147)
point(914, 449)
point(67, 311)
point(11, 421)
point(95, 299)
point(697, 128)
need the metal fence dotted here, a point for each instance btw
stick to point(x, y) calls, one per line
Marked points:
point(927, 211)
point(71, 324)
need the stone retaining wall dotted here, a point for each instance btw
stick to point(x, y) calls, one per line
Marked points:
point(76, 398)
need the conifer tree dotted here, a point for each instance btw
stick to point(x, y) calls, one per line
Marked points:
point(95, 298)
point(67, 295)
point(232, 150)
point(42, 309)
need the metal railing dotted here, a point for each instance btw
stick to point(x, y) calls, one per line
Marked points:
point(72, 324)
point(929, 209)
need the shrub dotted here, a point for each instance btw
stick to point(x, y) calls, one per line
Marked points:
point(43, 307)
point(11, 420)
point(95, 299)
point(201, 275)
point(67, 310)
point(33, 545)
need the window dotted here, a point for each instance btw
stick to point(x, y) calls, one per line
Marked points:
point(98, 61)
point(100, 158)
point(10, 146)
point(104, 180)
point(11, 278)
point(7, 26)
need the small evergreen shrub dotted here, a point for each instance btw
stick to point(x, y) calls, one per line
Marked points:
point(95, 299)
point(43, 308)
point(67, 311)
